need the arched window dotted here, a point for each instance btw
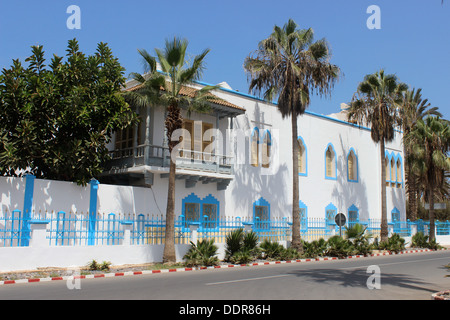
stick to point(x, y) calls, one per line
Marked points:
point(399, 173)
point(255, 148)
point(353, 215)
point(393, 170)
point(210, 212)
point(261, 214)
point(330, 163)
point(303, 216)
point(266, 149)
point(352, 166)
point(302, 164)
point(386, 164)
point(191, 209)
point(330, 213)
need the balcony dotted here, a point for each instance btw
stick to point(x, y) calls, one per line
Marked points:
point(193, 166)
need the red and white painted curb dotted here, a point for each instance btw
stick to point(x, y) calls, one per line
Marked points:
point(132, 273)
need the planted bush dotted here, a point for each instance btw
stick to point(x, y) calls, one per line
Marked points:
point(241, 247)
point(339, 247)
point(359, 239)
point(204, 253)
point(315, 248)
point(395, 243)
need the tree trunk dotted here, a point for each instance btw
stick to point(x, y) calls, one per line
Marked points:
point(173, 122)
point(384, 227)
point(431, 213)
point(169, 243)
point(412, 193)
point(296, 239)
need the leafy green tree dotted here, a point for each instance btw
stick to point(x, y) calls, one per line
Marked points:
point(56, 120)
point(413, 108)
point(164, 89)
point(289, 66)
point(376, 104)
point(430, 141)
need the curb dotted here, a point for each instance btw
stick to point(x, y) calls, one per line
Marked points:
point(132, 273)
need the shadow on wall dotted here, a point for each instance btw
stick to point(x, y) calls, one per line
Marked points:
point(12, 190)
point(52, 195)
point(348, 193)
point(251, 183)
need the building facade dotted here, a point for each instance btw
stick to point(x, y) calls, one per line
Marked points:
point(236, 161)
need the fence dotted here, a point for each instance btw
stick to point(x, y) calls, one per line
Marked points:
point(80, 229)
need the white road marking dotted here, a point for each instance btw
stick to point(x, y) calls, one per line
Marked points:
point(248, 279)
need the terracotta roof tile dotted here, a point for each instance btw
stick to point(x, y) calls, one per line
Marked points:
point(190, 92)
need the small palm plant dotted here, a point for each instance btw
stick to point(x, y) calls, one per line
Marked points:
point(359, 238)
point(241, 247)
point(204, 253)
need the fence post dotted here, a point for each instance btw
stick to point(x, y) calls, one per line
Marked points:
point(193, 227)
point(27, 207)
point(38, 233)
point(413, 227)
point(92, 211)
point(248, 226)
point(126, 227)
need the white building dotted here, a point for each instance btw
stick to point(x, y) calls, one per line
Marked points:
point(251, 176)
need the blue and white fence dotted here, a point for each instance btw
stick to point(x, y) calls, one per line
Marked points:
point(84, 229)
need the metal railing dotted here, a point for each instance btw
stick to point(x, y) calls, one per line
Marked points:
point(160, 156)
point(73, 229)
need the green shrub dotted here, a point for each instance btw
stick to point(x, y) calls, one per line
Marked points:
point(233, 242)
point(395, 243)
point(359, 239)
point(271, 250)
point(241, 247)
point(419, 240)
point(290, 254)
point(202, 254)
point(339, 247)
point(95, 266)
point(315, 248)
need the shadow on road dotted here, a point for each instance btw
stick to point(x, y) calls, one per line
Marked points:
point(358, 278)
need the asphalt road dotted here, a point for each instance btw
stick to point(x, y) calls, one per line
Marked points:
point(412, 276)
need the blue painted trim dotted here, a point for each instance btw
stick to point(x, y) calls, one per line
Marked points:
point(39, 221)
point(395, 212)
point(27, 208)
point(311, 113)
point(305, 174)
point(395, 156)
point(264, 203)
point(256, 131)
point(357, 165)
point(209, 199)
point(304, 219)
point(192, 198)
point(267, 132)
point(335, 162)
point(92, 211)
point(398, 157)
point(332, 207)
point(353, 208)
point(314, 114)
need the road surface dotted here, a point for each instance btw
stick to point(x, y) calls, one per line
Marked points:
point(413, 276)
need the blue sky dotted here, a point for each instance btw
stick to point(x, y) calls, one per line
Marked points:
point(413, 42)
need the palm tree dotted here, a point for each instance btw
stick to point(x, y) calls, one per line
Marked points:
point(164, 89)
point(413, 108)
point(375, 103)
point(430, 141)
point(289, 66)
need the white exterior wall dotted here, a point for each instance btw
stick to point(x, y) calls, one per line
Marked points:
point(316, 192)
